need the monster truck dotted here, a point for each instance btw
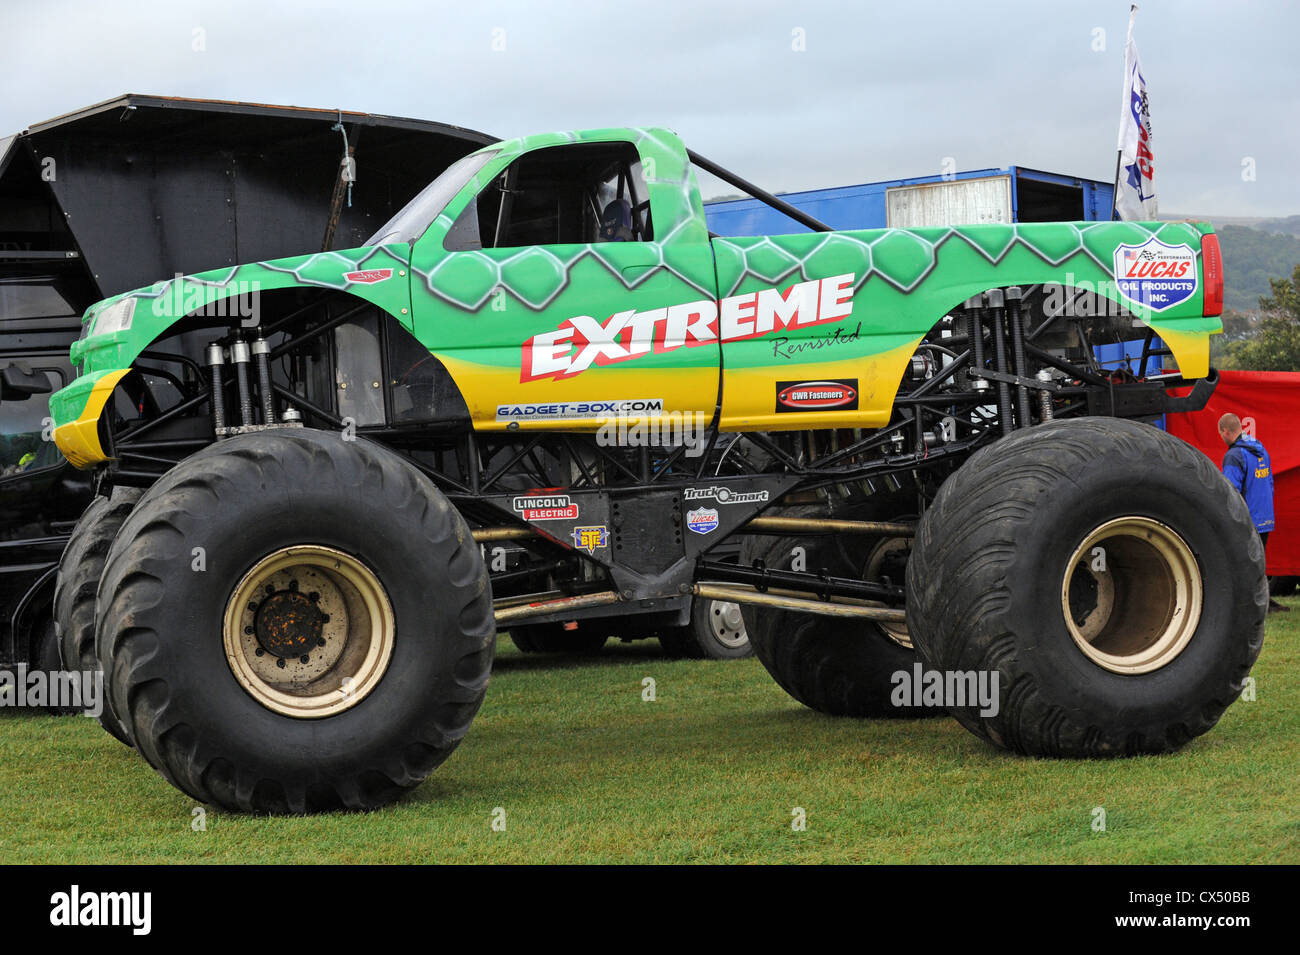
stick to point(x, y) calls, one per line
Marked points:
point(906, 431)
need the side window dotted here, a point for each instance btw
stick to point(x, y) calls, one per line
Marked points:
point(22, 426)
point(420, 389)
point(581, 193)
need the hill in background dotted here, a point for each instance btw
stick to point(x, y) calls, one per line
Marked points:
point(1254, 251)
point(1250, 258)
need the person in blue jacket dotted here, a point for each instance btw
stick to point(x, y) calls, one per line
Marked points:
point(1247, 467)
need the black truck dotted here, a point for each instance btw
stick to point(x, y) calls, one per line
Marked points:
point(106, 198)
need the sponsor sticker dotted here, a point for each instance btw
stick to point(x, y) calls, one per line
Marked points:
point(590, 537)
point(553, 507)
point(703, 520)
point(613, 408)
point(840, 393)
point(725, 495)
point(369, 276)
point(1156, 275)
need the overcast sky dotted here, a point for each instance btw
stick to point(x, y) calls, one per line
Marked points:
point(792, 95)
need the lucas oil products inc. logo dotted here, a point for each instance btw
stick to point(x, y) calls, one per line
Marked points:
point(1156, 275)
point(703, 520)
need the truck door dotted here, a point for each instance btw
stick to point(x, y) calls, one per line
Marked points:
point(575, 285)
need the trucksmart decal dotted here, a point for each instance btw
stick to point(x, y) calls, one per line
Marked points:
point(630, 334)
point(1156, 275)
point(816, 395)
point(724, 495)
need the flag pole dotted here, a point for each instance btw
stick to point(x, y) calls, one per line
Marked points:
point(1114, 189)
point(1119, 153)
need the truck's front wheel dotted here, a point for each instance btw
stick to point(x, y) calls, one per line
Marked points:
point(1108, 578)
point(296, 623)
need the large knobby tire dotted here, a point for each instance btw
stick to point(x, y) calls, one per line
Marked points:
point(270, 544)
point(45, 656)
point(1068, 560)
point(716, 632)
point(80, 569)
point(836, 665)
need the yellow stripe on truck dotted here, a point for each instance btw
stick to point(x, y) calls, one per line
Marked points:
point(79, 440)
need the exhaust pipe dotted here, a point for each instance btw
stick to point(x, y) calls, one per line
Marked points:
point(509, 615)
point(802, 525)
point(825, 608)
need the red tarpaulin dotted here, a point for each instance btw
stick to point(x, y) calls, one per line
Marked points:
point(1267, 403)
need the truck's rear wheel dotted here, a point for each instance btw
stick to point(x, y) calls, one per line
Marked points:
point(835, 665)
point(716, 632)
point(553, 638)
point(1106, 574)
point(296, 623)
point(80, 568)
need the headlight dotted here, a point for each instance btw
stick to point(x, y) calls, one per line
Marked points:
point(115, 318)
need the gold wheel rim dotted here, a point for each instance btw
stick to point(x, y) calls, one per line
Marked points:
point(309, 631)
point(1132, 595)
point(897, 632)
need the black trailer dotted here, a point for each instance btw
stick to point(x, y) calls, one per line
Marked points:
point(122, 193)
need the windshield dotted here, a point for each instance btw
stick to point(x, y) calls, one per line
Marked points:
point(35, 297)
point(409, 224)
point(24, 443)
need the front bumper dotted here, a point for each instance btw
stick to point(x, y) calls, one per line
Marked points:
point(76, 410)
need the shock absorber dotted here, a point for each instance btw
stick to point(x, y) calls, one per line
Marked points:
point(262, 356)
point(1016, 319)
point(239, 357)
point(995, 302)
point(218, 399)
point(975, 327)
point(1044, 397)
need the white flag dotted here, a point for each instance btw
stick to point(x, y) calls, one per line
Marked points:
point(1135, 187)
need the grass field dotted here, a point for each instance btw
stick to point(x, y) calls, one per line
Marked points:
point(586, 771)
